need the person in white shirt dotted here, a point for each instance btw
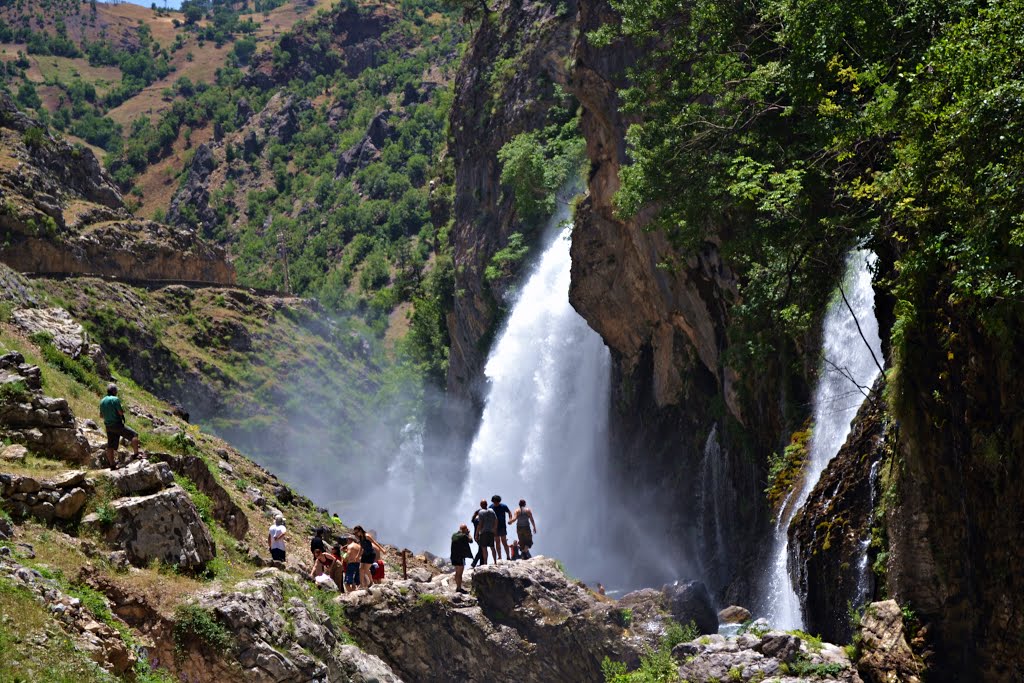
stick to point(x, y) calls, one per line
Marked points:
point(275, 539)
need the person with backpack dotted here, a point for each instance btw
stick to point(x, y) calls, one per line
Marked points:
point(461, 551)
point(371, 550)
point(487, 522)
point(523, 517)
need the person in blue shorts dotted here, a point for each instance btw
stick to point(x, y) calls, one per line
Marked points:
point(353, 551)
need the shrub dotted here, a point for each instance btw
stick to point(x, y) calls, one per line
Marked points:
point(192, 622)
point(14, 392)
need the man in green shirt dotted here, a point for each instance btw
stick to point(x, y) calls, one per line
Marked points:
point(113, 418)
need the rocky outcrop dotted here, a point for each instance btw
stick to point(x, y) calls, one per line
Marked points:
point(224, 509)
point(354, 33)
point(829, 537)
point(760, 656)
point(61, 214)
point(212, 167)
point(885, 655)
point(68, 335)
point(139, 478)
point(41, 423)
point(275, 639)
point(368, 149)
point(59, 500)
point(163, 526)
point(524, 621)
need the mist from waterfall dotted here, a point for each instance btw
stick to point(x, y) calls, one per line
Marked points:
point(849, 368)
point(544, 430)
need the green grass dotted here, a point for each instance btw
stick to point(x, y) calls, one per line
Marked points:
point(26, 657)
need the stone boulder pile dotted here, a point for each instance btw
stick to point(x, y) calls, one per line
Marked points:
point(68, 334)
point(44, 424)
point(61, 499)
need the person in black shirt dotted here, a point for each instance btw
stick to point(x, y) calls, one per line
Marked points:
point(501, 533)
point(317, 542)
point(460, 553)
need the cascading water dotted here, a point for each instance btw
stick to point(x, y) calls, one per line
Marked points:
point(543, 432)
point(850, 363)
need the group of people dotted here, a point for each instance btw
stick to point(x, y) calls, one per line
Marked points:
point(354, 562)
point(490, 531)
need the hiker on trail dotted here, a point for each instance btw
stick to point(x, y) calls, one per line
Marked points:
point(523, 517)
point(113, 418)
point(487, 522)
point(371, 550)
point(353, 552)
point(460, 553)
point(317, 542)
point(501, 532)
point(275, 539)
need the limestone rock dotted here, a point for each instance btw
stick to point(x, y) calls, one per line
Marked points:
point(71, 503)
point(525, 621)
point(164, 526)
point(140, 477)
point(68, 335)
point(14, 453)
point(225, 510)
point(885, 655)
point(733, 614)
point(746, 658)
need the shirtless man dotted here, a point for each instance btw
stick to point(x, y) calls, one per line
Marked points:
point(353, 551)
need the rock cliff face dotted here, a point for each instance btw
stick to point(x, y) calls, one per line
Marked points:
point(488, 111)
point(61, 214)
point(678, 415)
point(829, 538)
point(955, 521)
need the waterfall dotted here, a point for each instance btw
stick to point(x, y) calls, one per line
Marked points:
point(543, 433)
point(712, 509)
point(848, 361)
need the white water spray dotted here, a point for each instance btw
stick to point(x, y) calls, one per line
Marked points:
point(849, 360)
point(543, 432)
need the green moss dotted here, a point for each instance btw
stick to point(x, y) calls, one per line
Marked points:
point(785, 468)
point(192, 622)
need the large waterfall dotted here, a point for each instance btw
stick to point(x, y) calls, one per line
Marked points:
point(849, 360)
point(543, 433)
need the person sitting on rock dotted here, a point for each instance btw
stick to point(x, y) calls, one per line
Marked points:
point(461, 551)
point(275, 539)
point(113, 419)
point(322, 564)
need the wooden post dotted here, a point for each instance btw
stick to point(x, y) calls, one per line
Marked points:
point(405, 566)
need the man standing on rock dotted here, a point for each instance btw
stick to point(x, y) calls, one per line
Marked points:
point(487, 523)
point(503, 514)
point(275, 539)
point(113, 419)
point(523, 517)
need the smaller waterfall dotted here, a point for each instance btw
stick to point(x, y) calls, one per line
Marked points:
point(865, 576)
point(849, 364)
point(711, 509)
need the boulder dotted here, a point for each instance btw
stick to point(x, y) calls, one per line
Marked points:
point(164, 526)
point(733, 614)
point(690, 601)
point(781, 646)
point(68, 335)
point(140, 477)
point(6, 529)
point(885, 655)
point(70, 504)
point(68, 480)
point(224, 510)
point(14, 453)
